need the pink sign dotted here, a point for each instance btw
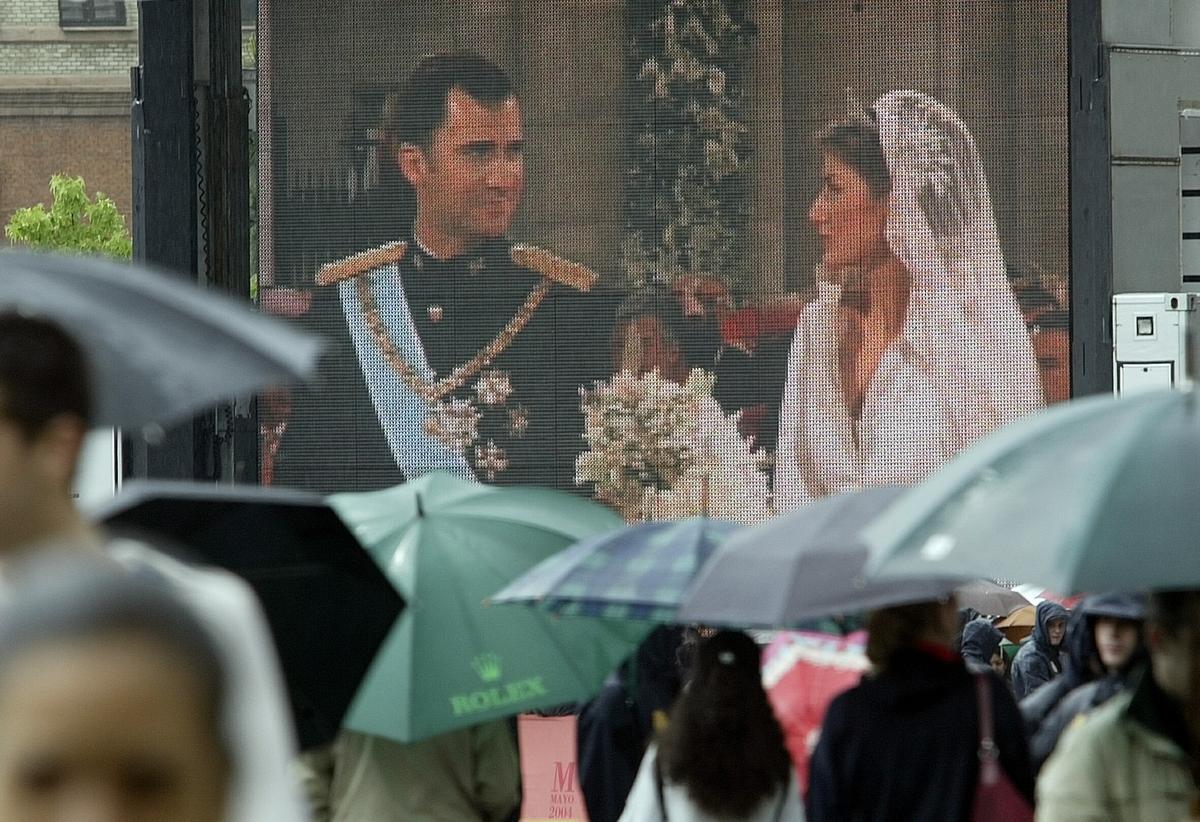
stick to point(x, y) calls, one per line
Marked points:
point(549, 773)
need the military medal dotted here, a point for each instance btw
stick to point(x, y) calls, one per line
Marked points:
point(476, 266)
point(518, 421)
point(491, 459)
point(493, 387)
point(435, 313)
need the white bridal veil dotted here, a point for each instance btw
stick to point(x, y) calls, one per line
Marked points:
point(963, 363)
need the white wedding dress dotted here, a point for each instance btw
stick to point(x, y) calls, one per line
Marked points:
point(962, 364)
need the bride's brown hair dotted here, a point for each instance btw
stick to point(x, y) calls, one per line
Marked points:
point(855, 141)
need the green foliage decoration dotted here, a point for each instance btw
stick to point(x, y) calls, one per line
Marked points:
point(72, 223)
point(687, 197)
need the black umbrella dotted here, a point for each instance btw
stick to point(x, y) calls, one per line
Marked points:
point(328, 605)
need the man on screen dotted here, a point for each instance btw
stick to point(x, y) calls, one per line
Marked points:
point(452, 348)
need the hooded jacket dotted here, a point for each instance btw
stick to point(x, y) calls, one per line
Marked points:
point(1084, 683)
point(903, 744)
point(980, 641)
point(1037, 661)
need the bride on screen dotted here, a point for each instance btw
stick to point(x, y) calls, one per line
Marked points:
point(914, 347)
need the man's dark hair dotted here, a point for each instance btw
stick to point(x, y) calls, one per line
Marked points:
point(421, 106)
point(43, 373)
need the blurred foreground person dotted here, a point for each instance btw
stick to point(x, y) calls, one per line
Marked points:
point(1037, 662)
point(616, 726)
point(1133, 758)
point(981, 647)
point(110, 702)
point(904, 744)
point(1104, 649)
point(468, 775)
point(45, 406)
point(722, 755)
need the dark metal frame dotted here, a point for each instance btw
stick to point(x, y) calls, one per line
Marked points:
point(1090, 186)
point(191, 203)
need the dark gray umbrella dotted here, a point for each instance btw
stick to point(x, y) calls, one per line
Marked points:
point(989, 598)
point(159, 348)
point(800, 566)
point(327, 603)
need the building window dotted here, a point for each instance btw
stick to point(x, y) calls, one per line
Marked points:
point(72, 13)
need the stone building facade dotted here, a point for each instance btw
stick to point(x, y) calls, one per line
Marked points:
point(64, 97)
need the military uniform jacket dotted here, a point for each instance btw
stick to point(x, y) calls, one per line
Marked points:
point(528, 427)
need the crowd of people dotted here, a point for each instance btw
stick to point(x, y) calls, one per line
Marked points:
point(135, 686)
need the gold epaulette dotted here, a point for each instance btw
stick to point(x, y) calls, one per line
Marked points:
point(553, 267)
point(361, 263)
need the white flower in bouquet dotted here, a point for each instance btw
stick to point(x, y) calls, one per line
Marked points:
point(661, 450)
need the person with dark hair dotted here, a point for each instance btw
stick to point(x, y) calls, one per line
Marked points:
point(904, 743)
point(44, 414)
point(451, 347)
point(914, 347)
point(45, 405)
point(654, 331)
point(616, 725)
point(981, 647)
point(1104, 650)
point(1037, 662)
point(1133, 759)
point(722, 754)
point(111, 695)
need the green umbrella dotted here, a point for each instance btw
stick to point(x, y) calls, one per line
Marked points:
point(1093, 495)
point(449, 661)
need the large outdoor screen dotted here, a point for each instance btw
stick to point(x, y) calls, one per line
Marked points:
point(682, 255)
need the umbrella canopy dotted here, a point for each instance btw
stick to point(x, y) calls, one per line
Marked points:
point(1093, 495)
point(989, 598)
point(328, 606)
point(450, 661)
point(799, 566)
point(1019, 623)
point(802, 673)
point(638, 572)
point(158, 347)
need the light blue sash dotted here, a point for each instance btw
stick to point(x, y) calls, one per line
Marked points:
point(401, 411)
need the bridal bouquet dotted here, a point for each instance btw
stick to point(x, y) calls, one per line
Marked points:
point(661, 450)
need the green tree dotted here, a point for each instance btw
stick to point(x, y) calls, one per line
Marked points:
point(73, 223)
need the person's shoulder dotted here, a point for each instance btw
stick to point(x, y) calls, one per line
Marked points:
point(362, 262)
point(557, 269)
point(1027, 650)
point(1092, 732)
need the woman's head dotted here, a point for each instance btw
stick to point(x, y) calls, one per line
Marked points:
point(850, 212)
point(894, 631)
point(723, 743)
point(110, 696)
